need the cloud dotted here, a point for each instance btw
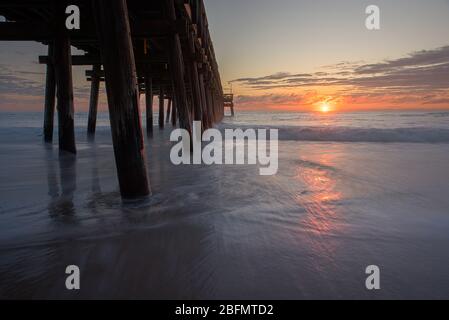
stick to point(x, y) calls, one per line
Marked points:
point(11, 83)
point(420, 77)
point(26, 89)
point(286, 101)
point(416, 59)
point(427, 69)
point(269, 99)
point(273, 78)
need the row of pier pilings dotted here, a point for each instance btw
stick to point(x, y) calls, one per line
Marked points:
point(191, 90)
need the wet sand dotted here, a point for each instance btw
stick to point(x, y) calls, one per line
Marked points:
point(224, 231)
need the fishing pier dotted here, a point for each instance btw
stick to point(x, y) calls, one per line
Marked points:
point(153, 47)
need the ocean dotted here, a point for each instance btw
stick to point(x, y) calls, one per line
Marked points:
point(352, 190)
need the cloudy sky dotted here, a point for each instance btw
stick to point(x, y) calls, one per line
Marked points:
point(297, 55)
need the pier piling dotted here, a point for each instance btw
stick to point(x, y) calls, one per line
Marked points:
point(161, 107)
point(50, 96)
point(64, 87)
point(123, 97)
point(149, 101)
point(93, 103)
point(169, 106)
point(174, 112)
point(177, 68)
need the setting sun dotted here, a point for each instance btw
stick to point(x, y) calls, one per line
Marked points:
point(325, 107)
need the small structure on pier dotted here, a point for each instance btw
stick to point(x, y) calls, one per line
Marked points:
point(155, 47)
point(228, 101)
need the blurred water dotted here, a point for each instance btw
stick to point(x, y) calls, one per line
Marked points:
point(368, 120)
point(224, 231)
point(379, 120)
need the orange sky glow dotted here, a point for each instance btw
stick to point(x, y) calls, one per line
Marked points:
point(304, 59)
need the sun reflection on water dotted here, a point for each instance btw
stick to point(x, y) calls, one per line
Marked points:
point(321, 198)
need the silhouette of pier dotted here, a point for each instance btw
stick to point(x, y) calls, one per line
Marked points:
point(228, 101)
point(154, 47)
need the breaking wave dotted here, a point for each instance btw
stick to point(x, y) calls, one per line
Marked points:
point(351, 134)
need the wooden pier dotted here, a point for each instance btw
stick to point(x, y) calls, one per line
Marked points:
point(153, 47)
point(228, 102)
